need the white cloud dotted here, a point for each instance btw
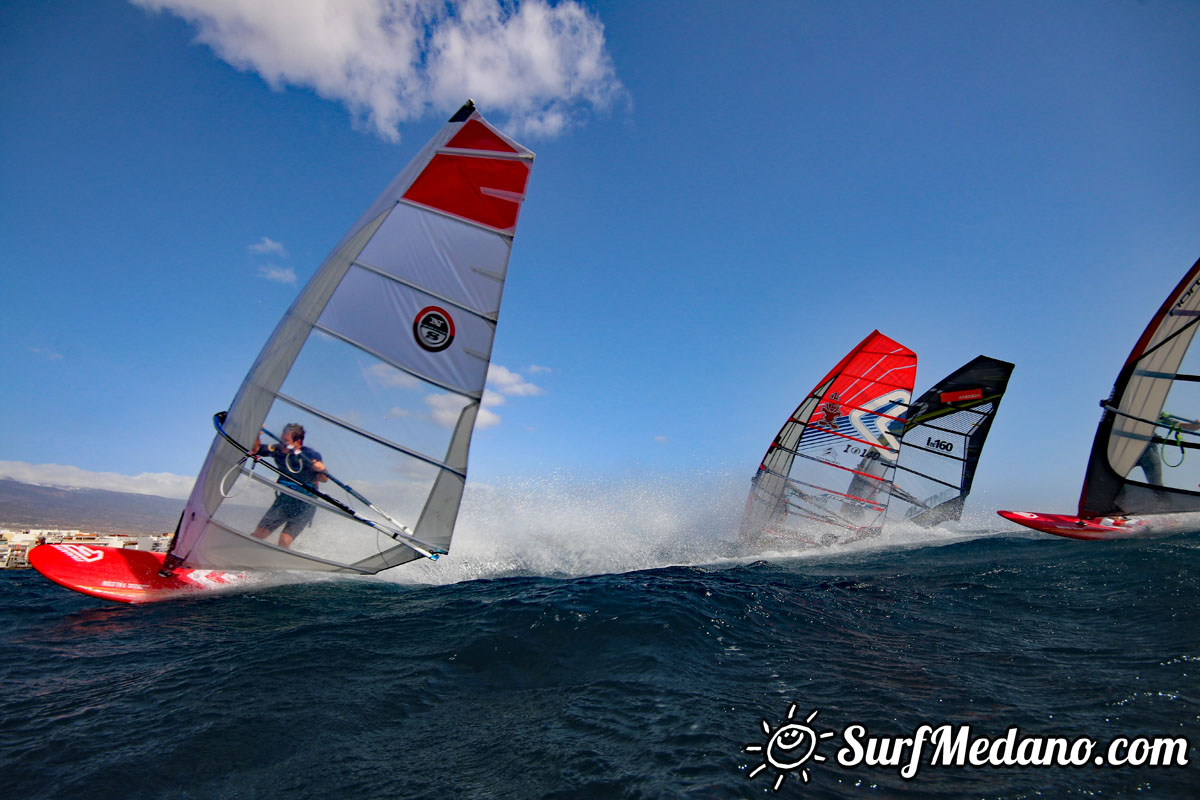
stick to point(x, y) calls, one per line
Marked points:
point(386, 375)
point(163, 484)
point(661, 439)
point(278, 274)
point(502, 384)
point(268, 246)
point(389, 61)
point(46, 353)
point(486, 419)
point(505, 381)
point(537, 369)
point(446, 408)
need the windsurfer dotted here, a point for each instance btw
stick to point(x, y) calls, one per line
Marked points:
point(304, 465)
point(1151, 458)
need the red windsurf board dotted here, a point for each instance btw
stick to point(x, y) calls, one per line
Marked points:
point(123, 574)
point(1076, 528)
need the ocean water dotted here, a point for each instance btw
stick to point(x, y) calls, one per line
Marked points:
point(636, 659)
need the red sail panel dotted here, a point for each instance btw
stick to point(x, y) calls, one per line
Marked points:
point(488, 191)
point(877, 366)
point(474, 135)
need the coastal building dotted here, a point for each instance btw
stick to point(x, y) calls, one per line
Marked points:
point(15, 545)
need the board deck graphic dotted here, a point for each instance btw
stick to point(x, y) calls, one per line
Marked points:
point(1108, 528)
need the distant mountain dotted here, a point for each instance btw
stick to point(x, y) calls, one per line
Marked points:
point(25, 505)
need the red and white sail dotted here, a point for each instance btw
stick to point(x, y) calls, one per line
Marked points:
point(828, 474)
point(382, 358)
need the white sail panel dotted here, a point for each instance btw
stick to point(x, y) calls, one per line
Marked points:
point(353, 385)
point(407, 326)
point(459, 261)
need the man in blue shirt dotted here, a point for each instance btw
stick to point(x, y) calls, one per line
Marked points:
point(301, 469)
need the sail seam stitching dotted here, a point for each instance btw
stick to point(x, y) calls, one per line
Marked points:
point(455, 217)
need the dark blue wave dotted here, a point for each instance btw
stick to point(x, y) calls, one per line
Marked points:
point(642, 684)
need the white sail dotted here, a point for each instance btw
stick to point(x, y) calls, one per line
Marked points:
point(382, 359)
point(1140, 460)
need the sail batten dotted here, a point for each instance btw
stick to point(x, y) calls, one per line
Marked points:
point(447, 215)
point(847, 437)
point(399, 367)
point(381, 363)
point(489, 316)
point(947, 484)
point(317, 563)
point(1166, 376)
point(367, 434)
point(938, 453)
point(283, 489)
point(833, 465)
point(894, 417)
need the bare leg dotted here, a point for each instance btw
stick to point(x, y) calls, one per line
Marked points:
point(286, 539)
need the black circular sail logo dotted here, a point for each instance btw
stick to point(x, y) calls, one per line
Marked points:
point(433, 329)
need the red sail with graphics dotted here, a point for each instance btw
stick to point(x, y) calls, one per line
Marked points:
point(828, 475)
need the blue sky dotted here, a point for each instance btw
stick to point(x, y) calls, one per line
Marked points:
point(726, 198)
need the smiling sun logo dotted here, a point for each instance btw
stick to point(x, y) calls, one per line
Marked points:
point(789, 747)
